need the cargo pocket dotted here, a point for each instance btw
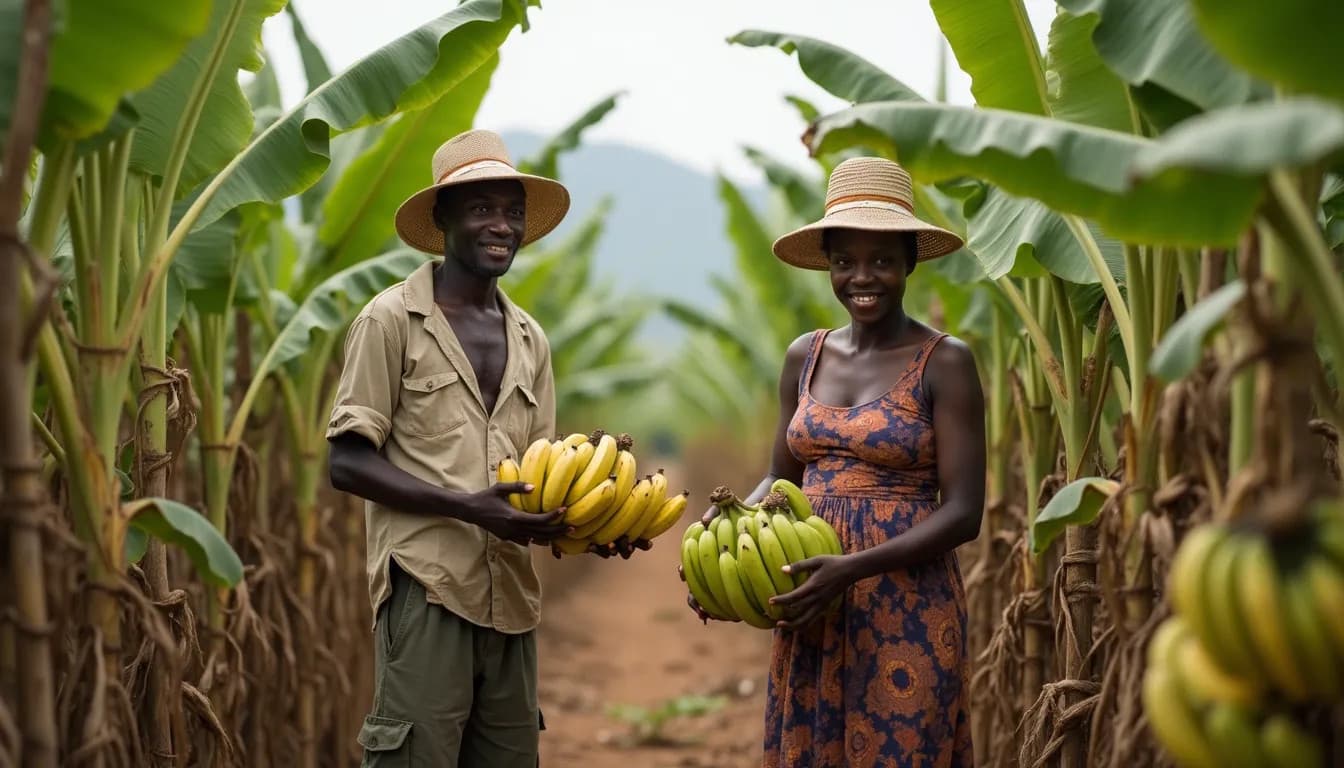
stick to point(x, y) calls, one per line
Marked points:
point(386, 742)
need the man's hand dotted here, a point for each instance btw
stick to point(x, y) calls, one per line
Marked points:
point(490, 509)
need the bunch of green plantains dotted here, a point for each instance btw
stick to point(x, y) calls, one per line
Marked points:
point(1258, 631)
point(735, 564)
point(593, 479)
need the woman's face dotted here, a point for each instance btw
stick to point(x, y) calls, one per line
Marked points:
point(868, 271)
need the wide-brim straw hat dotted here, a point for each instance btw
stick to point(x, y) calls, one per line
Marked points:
point(869, 193)
point(470, 157)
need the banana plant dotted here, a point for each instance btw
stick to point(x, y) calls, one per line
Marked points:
point(120, 149)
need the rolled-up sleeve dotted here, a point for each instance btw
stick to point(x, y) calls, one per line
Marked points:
point(543, 388)
point(366, 396)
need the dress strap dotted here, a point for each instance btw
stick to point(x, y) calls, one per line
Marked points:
point(810, 362)
point(921, 360)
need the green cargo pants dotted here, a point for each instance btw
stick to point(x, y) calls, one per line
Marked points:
point(448, 693)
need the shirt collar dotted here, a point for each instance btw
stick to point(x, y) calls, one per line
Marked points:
point(419, 296)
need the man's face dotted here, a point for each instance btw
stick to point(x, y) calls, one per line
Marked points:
point(482, 224)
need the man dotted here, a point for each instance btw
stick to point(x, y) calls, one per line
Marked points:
point(444, 377)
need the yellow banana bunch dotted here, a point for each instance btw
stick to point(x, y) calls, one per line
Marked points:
point(1207, 718)
point(1268, 610)
point(594, 479)
point(735, 564)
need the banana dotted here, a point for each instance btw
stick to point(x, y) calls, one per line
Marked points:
point(772, 555)
point(626, 514)
point(532, 469)
point(707, 558)
point(508, 473)
point(558, 480)
point(588, 529)
point(575, 439)
point(693, 531)
point(1185, 583)
point(813, 544)
point(749, 525)
point(1234, 737)
point(735, 587)
point(762, 588)
point(1203, 679)
point(1330, 535)
point(592, 504)
point(1287, 745)
point(570, 546)
point(557, 450)
point(657, 495)
point(798, 503)
point(1228, 639)
point(667, 516)
point(828, 534)
point(697, 583)
point(1172, 722)
point(1327, 590)
point(1169, 637)
point(624, 470)
point(788, 537)
point(725, 530)
point(597, 467)
point(1258, 584)
point(1310, 639)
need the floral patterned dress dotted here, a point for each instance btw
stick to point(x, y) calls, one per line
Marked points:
point(883, 681)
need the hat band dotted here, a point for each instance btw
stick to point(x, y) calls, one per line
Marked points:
point(881, 203)
point(475, 165)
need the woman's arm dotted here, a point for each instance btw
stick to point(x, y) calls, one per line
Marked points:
point(953, 387)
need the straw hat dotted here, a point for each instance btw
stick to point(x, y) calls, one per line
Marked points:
point(866, 193)
point(470, 157)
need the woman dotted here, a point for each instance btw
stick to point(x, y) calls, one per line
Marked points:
point(882, 424)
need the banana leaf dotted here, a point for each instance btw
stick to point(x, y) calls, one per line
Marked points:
point(843, 74)
point(1077, 503)
point(315, 68)
point(1070, 168)
point(546, 161)
point(1156, 42)
point(994, 43)
point(1005, 225)
point(357, 215)
point(327, 307)
point(1082, 88)
point(763, 366)
point(1248, 140)
point(1182, 347)
point(226, 119)
point(406, 74)
point(767, 277)
point(579, 387)
point(1294, 43)
point(89, 71)
point(176, 523)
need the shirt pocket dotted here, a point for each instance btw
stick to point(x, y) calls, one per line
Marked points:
point(522, 414)
point(433, 405)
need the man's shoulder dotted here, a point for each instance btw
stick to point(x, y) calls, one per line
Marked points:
point(388, 307)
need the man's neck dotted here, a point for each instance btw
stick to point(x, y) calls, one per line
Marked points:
point(456, 287)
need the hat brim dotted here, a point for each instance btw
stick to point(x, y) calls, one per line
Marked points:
point(547, 204)
point(802, 247)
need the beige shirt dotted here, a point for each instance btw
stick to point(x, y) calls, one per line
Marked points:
point(407, 386)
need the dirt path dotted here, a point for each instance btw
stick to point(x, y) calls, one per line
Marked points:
point(619, 632)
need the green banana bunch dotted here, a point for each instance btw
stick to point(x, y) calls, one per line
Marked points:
point(1207, 718)
point(734, 565)
point(1268, 610)
point(593, 478)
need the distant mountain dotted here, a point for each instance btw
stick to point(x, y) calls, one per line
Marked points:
point(665, 232)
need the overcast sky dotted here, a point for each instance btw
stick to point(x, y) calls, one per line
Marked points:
point(689, 94)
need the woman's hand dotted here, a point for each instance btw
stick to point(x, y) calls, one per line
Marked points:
point(710, 514)
point(828, 577)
